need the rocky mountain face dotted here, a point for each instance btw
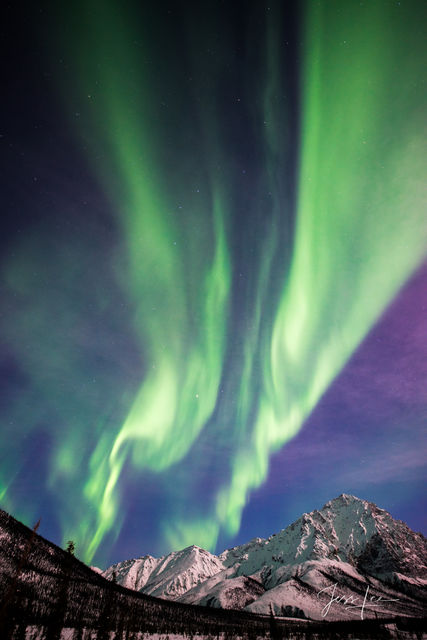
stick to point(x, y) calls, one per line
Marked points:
point(350, 550)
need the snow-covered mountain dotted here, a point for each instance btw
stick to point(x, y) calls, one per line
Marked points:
point(348, 547)
point(168, 577)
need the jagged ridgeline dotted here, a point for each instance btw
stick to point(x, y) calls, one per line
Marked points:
point(44, 590)
point(350, 542)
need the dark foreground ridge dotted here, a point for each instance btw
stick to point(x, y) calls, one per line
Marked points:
point(45, 587)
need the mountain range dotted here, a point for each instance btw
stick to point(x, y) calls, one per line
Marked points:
point(348, 559)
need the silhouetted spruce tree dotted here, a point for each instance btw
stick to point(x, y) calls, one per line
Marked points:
point(57, 620)
point(71, 547)
point(120, 623)
point(107, 618)
point(78, 633)
point(275, 633)
point(20, 631)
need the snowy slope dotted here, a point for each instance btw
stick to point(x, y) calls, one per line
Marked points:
point(349, 542)
point(169, 576)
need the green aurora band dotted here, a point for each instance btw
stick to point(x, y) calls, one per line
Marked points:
point(179, 294)
point(359, 233)
point(361, 227)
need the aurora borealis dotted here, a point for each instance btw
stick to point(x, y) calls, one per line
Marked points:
point(213, 281)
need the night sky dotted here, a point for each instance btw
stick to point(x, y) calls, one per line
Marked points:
point(213, 268)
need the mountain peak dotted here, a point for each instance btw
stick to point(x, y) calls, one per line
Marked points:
point(348, 541)
point(344, 498)
point(194, 547)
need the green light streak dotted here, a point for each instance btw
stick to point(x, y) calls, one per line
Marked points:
point(179, 290)
point(356, 179)
point(360, 233)
point(361, 228)
point(175, 399)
